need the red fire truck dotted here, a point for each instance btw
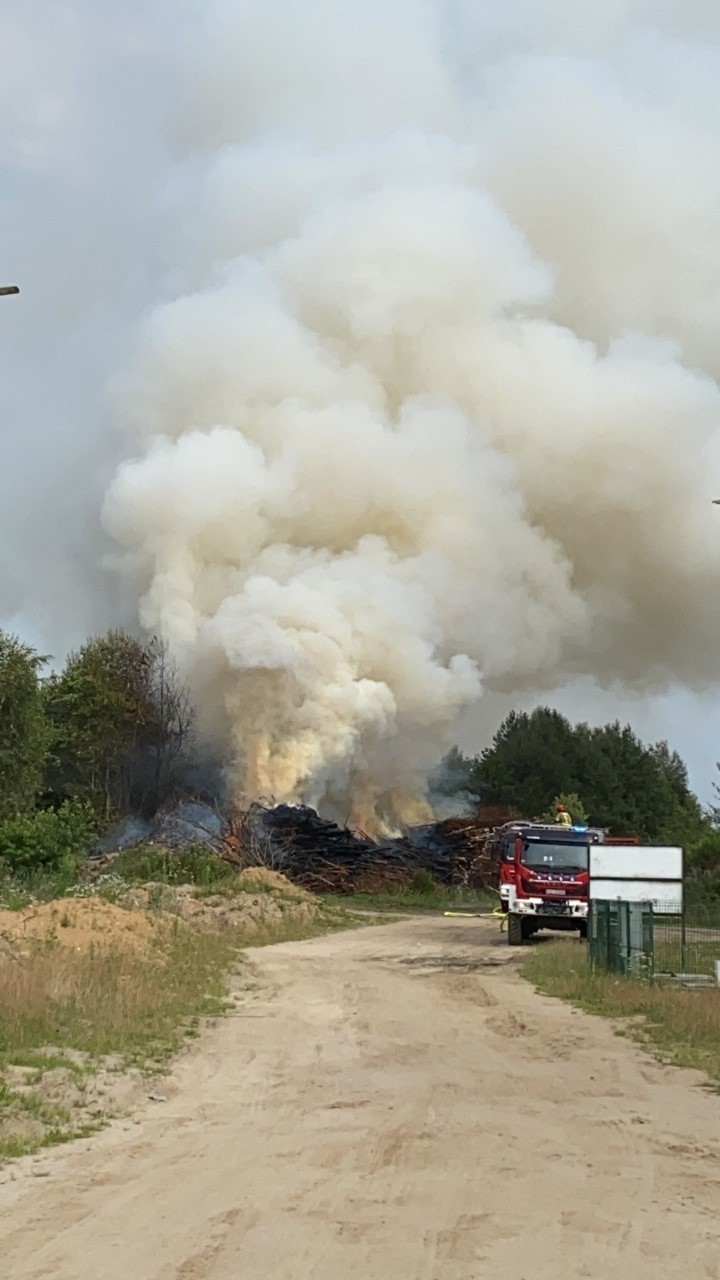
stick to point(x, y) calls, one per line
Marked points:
point(544, 875)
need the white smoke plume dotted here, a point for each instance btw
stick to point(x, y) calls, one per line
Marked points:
point(428, 403)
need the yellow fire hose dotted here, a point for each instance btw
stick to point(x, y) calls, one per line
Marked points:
point(503, 917)
point(470, 915)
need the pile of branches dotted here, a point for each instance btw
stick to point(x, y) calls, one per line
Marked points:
point(318, 854)
point(465, 846)
point(324, 857)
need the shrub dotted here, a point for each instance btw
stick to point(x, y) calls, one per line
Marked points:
point(49, 839)
point(422, 882)
point(192, 864)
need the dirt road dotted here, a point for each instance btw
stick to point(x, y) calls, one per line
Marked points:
point(389, 1104)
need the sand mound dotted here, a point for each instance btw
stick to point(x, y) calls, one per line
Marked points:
point(79, 923)
point(246, 908)
point(264, 878)
point(259, 899)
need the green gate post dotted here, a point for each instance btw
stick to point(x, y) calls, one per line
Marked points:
point(648, 941)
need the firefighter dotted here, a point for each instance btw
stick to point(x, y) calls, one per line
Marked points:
point(562, 817)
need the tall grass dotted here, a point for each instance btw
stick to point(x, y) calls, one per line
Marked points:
point(191, 864)
point(131, 1005)
point(114, 1007)
point(19, 889)
point(111, 1000)
point(79, 1010)
point(679, 1026)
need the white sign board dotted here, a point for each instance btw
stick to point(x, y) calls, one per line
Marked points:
point(636, 861)
point(638, 873)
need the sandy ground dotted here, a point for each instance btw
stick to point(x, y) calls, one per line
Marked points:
point(388, 1104)
point(79, 923)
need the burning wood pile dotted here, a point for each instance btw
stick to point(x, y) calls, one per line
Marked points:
point(324, 857)
point(318, 854)
point(467, 846)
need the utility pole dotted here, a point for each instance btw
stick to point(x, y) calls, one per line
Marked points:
point(8, 288)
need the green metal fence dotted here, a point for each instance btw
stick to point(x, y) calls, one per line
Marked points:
point(620, 937)
point(663, 942)
point(687, 942)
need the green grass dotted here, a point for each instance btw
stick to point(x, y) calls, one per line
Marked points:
point(192, 864)
point(702, 941)
point(248, 882)
point(30, 1121)
point(402, 900)
point(21, 889)
point(679, 1026)
point(13, 1148)
point(40, 1061)
point(698, 956)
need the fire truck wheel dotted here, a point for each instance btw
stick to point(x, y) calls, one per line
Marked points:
point(583, 930)
point(515, 931)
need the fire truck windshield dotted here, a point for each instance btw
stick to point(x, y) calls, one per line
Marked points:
point(554, 857)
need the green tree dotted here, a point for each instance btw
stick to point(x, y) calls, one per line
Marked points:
point(454, 774)
point(120, 721)
point(626, 786)
point(674, 769)
point(97, 707)
point(23, 731)
point(629, 789)
point(572, 803)
point(530, 761)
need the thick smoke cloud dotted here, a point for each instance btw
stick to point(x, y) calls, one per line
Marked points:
point(424, 402)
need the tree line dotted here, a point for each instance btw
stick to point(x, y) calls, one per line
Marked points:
point(606, 773)
point(109, 734)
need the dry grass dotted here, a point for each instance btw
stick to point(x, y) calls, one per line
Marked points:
point(135, 1005)
point(69, 1016)
point(75, 1018)
point(113, 999)
point(678, 1026)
